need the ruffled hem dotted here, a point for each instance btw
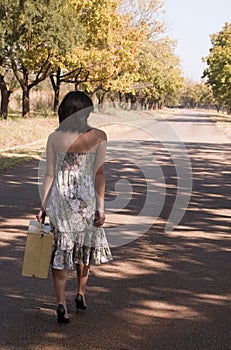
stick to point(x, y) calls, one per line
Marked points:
point(63, 259)
point(83, 248)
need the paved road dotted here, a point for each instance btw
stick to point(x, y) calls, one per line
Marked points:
point(163, 291)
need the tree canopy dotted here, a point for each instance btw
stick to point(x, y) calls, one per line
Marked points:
point(218, 72)
point(35, 36)
point(117, 47)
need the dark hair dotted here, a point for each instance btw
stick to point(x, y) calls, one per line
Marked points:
point(74, 111)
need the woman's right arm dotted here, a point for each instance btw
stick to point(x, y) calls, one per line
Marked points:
point(48, 178)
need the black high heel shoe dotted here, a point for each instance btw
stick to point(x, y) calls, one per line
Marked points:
point(79, 302)
point(60, 314)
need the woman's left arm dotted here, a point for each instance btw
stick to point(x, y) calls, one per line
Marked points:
point(48, 178)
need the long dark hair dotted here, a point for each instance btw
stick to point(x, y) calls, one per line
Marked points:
point(74, 111)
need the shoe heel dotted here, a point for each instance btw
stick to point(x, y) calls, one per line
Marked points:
point(60, 315)
point(79, 303)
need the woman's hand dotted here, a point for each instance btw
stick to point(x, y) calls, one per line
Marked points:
point(99, 218)
point(41, 215)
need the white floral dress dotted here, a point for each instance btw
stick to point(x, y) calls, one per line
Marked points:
point(72, 210)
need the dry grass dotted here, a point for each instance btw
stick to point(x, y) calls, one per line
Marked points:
point(23, 139)
point(222, 120)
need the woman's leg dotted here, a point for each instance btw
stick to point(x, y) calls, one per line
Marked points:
point(82, 277)
point(59, 281)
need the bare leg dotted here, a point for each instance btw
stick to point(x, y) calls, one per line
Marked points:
point(82, 277)
point(59, 281)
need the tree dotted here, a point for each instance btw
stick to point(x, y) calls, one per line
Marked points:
point(159, 75)
point(106, 58)
point(145, 14)
point(35, 35)
point(7, 85)
point(159, 67)
point(195, 95)
point(115, 67)
point(188, 94)
point(218, 72)
point(95, 17)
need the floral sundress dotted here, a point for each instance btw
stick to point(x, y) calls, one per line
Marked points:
point(72, 208)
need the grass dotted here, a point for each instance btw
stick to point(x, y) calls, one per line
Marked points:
point(222, 120)
point(23, 139)
point(8, 160)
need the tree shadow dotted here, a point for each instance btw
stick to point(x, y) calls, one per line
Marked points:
point(162, 291)
point(195, 117)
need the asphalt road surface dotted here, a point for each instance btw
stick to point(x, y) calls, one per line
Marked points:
point(165, 289)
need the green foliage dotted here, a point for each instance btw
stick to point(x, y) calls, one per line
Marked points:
point(194, 94)
point(122, 49)
point(107, 57)
point(35, 35)
point(218, 72)
point(106, 45)
point(97, 18)
point(159, 66)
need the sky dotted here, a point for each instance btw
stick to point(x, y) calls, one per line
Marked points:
point(191, 22)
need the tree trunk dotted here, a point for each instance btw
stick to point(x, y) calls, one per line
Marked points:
point(5, 97)
point(217, 108)
point(133, 102)
point(26, 102)
point(229, 110)
point(25, 95)
point(56, 88)
point(120, 99)
point(104, 98)
point(126, 98)
point(5, 103)
point(56, 99)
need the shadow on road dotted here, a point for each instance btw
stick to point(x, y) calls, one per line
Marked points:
point(162, 291)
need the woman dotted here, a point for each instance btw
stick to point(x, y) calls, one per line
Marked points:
point(74, 184)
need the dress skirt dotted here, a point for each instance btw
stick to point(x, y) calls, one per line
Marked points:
point(72, 209)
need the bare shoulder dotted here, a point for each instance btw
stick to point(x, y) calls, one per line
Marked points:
point(54, 139)
point(99, 134)
point(52, 136)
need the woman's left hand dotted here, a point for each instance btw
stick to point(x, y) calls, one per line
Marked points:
point(99, 218)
